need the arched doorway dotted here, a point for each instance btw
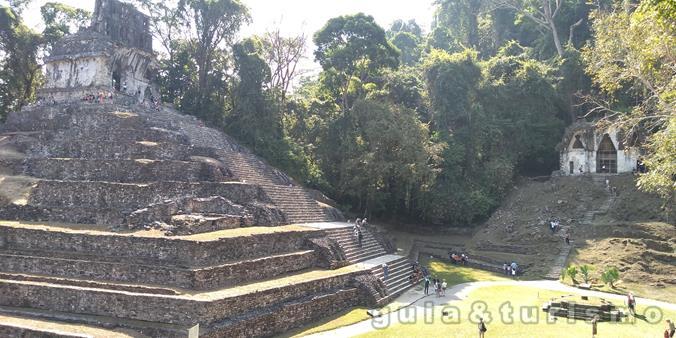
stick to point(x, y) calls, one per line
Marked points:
point(606, 157)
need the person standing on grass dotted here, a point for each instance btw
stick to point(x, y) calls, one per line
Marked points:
point(594, 322)
point(427, 285)
point(631, 302)
point(482, 328)
point(671, 328)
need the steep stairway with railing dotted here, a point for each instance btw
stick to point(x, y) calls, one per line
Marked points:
point(354, 253)
point(292, 199)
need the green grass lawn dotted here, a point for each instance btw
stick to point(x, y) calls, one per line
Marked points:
point(528, 318)
point(458, 274)
point(341, 319)
point(453, 274)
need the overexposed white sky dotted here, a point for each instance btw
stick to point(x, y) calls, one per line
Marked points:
point(296, 16)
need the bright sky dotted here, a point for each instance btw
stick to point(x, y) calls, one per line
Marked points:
point(296, 16)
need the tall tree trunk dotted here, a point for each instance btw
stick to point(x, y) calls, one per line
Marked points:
point(549, 16)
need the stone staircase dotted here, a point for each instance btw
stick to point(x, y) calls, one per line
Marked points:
point(587, 220)
point(292, 199)
point(397, 279)
point(354, 253)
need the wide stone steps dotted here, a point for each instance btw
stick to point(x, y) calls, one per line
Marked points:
point(397, 280)
point(298, 206)
point(354, 253)
point(78, 268)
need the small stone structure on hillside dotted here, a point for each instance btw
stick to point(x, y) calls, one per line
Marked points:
point(113, 53)
point(588, 149)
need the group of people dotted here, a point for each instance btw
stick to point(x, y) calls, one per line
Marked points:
point(554, 225)
point(357, 229)
point(99, 97)
point(511, 269)
point(458, 259)
point(438, 284)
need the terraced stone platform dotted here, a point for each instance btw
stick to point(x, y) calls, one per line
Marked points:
point(229, 282)
point(99, 163)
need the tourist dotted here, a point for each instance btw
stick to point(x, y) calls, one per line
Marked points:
point(360, 236)
point(594, 326)
point(444, 285)
point(427, 285)
point(567, 239)
point(464, 259)
point(666, 333)
point(505, 269)
point(631, 302)
point(509, 270)
point(671, 328)
point(364, 223)
point(385, 271)
point(482, 328)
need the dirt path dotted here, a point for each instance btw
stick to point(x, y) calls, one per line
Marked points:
point(460, 292)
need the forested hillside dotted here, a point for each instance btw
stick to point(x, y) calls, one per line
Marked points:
point(419, 124)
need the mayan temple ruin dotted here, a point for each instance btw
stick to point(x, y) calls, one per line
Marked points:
point(120, 217)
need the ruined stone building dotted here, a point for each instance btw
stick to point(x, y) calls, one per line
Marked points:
point(113, 54)
point(587, 149)
point(121, 219)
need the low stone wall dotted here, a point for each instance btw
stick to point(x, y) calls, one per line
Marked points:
point(10, 331)
point(168, 251)
point(131, 197)
point(85, 116)
point(130, 273)
point(126, 171)
point(180, 310)
point(287, 316)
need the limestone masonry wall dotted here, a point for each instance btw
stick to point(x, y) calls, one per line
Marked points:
point(181, 310)
point(168, 251)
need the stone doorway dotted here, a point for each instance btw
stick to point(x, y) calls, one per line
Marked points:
point(606, 157)
point(116, 80)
